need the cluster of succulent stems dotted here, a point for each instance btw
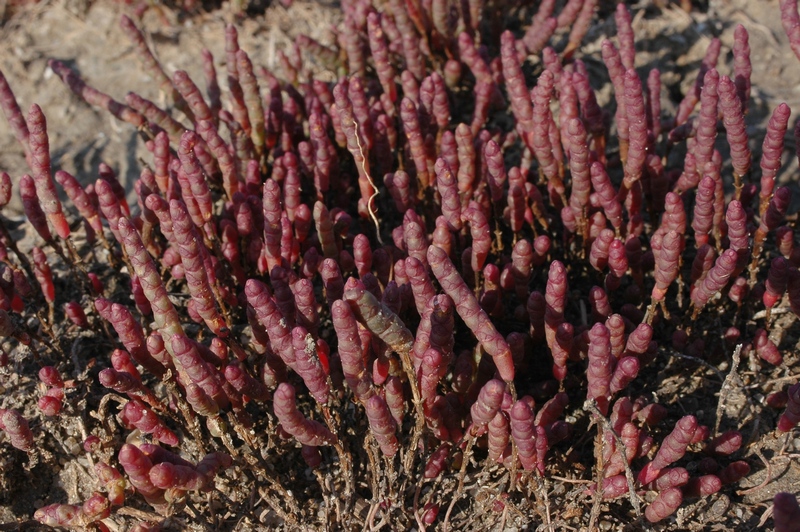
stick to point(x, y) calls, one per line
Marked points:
point(382, 255)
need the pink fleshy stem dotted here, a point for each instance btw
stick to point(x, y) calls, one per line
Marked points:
point(17, 430)
point(96, 98)
point(33, 209)
point(616, 71)
point(666, 249)
point(470, 311)
point(771, 219)
point(40, 166)
point(212, 84)
point(388, 327)
point(486, 406)
point(152, 66)
point(580, 27)
point(714, 281)
point(771, 151)
point(157, 117)
point(742, 67)
point(166, 317)
point(129, 332)
point(359, 151)
point(188, 241)
point(637, 130)
point(253, 103)
point(736, 133)
point(81, 201)
point(192, 177)
point(230, 174)
point(791, 24)
point(13, 114)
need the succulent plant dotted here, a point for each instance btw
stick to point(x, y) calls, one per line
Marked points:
point(317, 271)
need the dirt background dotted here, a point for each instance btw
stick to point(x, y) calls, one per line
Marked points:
point(86, 36)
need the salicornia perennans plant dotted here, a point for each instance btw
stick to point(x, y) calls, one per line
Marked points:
point(347, 301)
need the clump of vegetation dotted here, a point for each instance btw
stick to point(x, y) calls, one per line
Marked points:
point(351, 304)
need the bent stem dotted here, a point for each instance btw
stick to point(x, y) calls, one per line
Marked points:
point(461, 475)
point(345, 459)
point(604, 424)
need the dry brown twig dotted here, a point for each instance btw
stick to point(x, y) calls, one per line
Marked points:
point(674, 353)
point(767, 478)
point(371, 201)
point(726, 384)
point(591, 406)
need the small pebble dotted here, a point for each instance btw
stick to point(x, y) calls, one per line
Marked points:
point(73, 445)
point(605, 525)
point(214, 427)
